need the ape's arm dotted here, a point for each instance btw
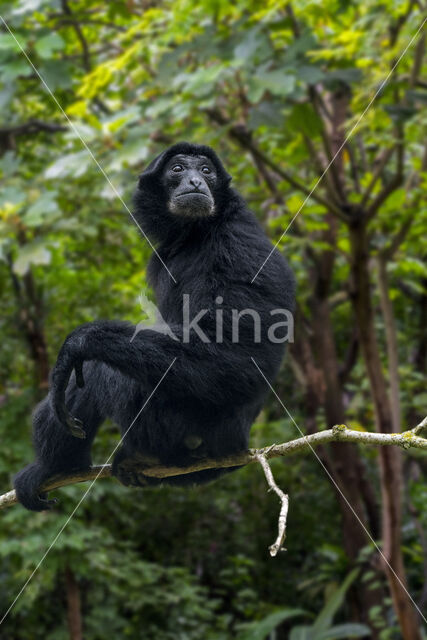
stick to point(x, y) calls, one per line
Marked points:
point(146, 357)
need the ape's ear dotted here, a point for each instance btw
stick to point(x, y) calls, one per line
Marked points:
point(226, 176)
point(152, 170)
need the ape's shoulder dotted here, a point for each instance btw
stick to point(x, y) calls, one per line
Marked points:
point(252, 248)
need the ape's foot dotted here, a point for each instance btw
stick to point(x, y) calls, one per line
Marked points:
point(72, 424)
point(129, 469)
point(27, 486)
point(75, 427)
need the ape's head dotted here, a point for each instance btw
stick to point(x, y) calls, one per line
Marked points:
point(190, 182)
point(182, 187)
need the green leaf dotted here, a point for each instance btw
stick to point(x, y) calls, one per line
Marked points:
point(28, 6)
point(159, 106)
point(347, 76)
point(253, 42)
point(310, 74)
point(344, 631)
point(44, 210)
point(265, 114)
point(11, 195)
point(73, 163)
point(248, 44)
point(9, 164)
point(324, 619)
point(261, 629)
point(15, 69)
point(301, 633)
point(201, 81)
point(6, 95)
point(33, 253)
point(277, 82)
point(413, 266)
point(399, 113)
point(47, 45)
point(8, 43)
point(417, 96)
point(303, 118)
point(56, 74)
point(299, 47)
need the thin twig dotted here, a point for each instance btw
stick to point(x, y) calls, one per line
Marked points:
point(31, 126)
point(284, 499)
point(243, 137)
point(420, 427)
point(381, 163)
point(394, 184)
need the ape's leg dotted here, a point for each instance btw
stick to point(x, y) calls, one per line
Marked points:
point(203, 438)
point(147, 357)
point(56, 450)
point(129, 465)
point(225, 437)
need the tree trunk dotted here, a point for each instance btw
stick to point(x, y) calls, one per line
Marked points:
point(74, 614)
point(32, 322)
point(30, 319)
point(317, 368)
point(390, 459)
point(391, 341)
point(344, 465)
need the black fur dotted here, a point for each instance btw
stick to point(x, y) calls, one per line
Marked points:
point(207, 402)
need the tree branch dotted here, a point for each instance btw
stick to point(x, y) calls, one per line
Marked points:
point(381, 164)
point(284, 499)
point(86, 59)
point(338, 433)
point(418, 60)
point(239, 133)
point(79, 33)
point(32, 126)
point(394, 184)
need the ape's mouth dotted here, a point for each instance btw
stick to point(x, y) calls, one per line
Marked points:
point(193, 193)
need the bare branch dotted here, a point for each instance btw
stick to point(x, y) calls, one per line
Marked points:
point(284, 499)
point(32, 126)
point(79, 33)
point(396, 27)
point(418, 60)
point(326, 136)
point(381, 164)
point(100, 471)
point(354, 167)
point(394, 184)
point(390, 249)
point(86, 54)
point(420, 427)
point(239, 133)
point(320, 168)
point(395, 241)
point(338, 433)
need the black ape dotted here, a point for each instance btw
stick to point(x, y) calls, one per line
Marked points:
point(206, 403)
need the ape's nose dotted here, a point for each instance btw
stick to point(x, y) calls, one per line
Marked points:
point(196, 182)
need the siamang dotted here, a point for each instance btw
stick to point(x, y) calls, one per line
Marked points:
point(209, 247)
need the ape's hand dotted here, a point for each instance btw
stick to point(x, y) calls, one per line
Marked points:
point(71, 356)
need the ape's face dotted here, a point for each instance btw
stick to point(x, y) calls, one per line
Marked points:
point(190, 182)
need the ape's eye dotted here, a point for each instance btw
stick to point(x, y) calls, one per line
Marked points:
point(205, 169)
point(177, 168)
